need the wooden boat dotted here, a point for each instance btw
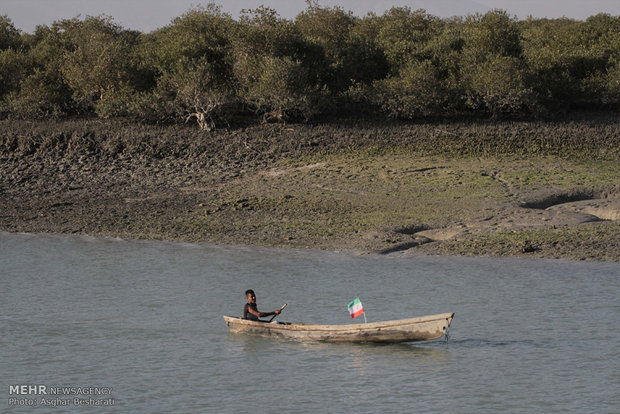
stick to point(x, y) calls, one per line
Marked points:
point(424, 328)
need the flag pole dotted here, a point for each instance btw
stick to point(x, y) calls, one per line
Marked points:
point(365, 321)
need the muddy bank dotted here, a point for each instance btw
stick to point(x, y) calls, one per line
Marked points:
point(531, 188)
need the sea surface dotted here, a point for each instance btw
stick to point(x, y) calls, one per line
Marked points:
point(111, 326)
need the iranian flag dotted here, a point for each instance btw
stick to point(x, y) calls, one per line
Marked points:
point(355, 307)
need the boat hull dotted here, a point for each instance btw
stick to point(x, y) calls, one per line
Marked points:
point(424, 328)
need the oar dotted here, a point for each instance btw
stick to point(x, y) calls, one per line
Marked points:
point(273, 317)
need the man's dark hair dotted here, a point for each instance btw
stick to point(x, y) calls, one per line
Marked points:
point(249, 291)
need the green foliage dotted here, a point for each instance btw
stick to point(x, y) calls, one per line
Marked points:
point(207, 66)
point(42, 91)
point(364, 61)
point(276, 68)
point(611, 94)
point(327, 27)
point(572, 63)
point(498, 86)
point(13, 70)
point(202, 32)
point(192, 64)
point(493, 34)
point(416, 91)
point(9, 35)
point(351, 57)
point(430, 83)
point(493, 67)
point(98, 65)
point(403, 34)
point(198, 91)
point(279, 88)
point(40, 96)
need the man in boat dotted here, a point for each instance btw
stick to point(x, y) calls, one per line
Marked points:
point(250, 310)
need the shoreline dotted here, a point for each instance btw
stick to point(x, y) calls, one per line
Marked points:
point(336, 251)
point(319, 187)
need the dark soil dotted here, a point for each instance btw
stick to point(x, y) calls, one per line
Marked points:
point(338, 185)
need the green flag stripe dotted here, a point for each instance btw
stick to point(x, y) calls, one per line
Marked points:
point(353, 302)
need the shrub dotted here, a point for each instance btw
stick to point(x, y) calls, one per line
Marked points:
point(276, 68)
point(40, 96)
point(499, 87)
point(279, 88)
point(9, 35)
point(416, 91)
point(98, 65)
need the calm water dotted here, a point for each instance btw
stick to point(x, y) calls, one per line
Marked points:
point(145, 319)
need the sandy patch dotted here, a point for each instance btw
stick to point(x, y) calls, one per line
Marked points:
point(604, 209)
point(275, 172)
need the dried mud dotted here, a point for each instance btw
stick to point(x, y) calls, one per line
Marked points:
point(535, 189)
